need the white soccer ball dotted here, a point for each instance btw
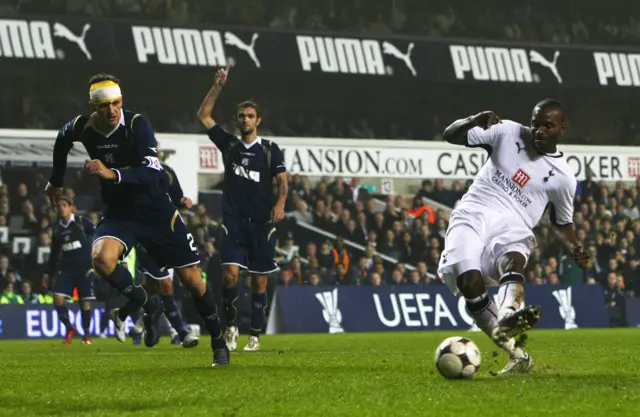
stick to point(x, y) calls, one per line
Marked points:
point(457, 358)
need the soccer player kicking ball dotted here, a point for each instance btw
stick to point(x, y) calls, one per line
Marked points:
point(490, 230)
point(249, 214)
point(123, 151)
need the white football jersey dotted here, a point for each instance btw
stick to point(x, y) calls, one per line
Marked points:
point(517, 181)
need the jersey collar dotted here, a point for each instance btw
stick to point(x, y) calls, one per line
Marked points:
point(120, 123)
point(247, 146)
point(71, 220)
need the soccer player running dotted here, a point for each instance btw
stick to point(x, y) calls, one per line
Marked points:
point(490, 230)
point(122, 147)
point(70, 267)
point(249, 215)
point(163, 278)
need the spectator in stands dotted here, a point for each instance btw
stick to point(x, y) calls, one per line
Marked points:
point(615, 300)
point(27, 295)
point(341, 256)
point(8, 296)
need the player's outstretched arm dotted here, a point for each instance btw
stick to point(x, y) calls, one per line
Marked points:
point(205, 112)
point(456, 132)
point(61, 148)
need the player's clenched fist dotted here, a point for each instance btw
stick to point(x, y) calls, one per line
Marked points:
point(580, 255)
point(97, 168)
point(53, 193)
point(221, 76)
point(486, 119)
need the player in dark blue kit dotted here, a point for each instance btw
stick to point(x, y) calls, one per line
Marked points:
point(162, 283)
point(122, 148)
point(249, 213)
point(70, 266)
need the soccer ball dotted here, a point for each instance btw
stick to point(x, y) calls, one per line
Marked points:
point(457, 358)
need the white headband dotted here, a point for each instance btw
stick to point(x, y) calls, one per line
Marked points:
point(104, 92)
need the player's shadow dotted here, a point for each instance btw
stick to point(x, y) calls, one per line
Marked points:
point(600, 379)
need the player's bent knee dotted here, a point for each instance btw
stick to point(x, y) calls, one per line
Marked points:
point(258, 283)
point(105, 254)
point(512, 262)
point(191, 278)
point(471, 283)
point(165, 287)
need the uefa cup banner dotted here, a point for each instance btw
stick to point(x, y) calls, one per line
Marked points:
point(306, 309)
point(40, 321)
point(75, 41)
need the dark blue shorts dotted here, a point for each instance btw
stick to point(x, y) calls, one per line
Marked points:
point(84, 281)
point(166, 238)
point(249, 244)
point(148, 266)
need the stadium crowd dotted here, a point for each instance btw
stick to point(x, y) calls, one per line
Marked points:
point(342, 107)
point(493, 20)
point(410, 235)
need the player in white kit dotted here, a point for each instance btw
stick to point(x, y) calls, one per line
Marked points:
point(490, 230)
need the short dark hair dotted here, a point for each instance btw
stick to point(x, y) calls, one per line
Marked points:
point(101, 76)
point(248, 104)
point(550, 103)
point(67, 198)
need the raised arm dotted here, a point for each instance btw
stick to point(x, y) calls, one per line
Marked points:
point(221, 138)
point(457, 133)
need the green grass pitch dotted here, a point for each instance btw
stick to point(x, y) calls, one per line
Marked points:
point(578, 373)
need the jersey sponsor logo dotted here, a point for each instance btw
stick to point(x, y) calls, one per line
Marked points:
point(501, 64)
point(72, 246)
point(190, 47)
point(246, 173)
point(512, 187)
point(619, 69)
point(35, 39)
point(351, 55)
point(521, 178)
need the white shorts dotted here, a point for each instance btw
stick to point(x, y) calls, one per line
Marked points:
point(476, 240)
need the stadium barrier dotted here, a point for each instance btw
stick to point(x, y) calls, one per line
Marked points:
point(40, 321)
point(306, 309)
point(632, 311)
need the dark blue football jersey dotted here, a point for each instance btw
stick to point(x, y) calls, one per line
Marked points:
point(71, 247)
point(174, 189)
point(140, 190)
point(248, 174)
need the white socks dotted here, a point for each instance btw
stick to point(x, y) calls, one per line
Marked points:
point(510, 294)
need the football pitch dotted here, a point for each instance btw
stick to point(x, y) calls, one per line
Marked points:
point(577, 373)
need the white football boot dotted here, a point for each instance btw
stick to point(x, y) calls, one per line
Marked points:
point(119, 325)
point(190, 341)
point(519, 361)
point(231, 338)
point(253, 345)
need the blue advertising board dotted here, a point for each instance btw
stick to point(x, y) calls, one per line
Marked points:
point(40, 321)
point(309, 309)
